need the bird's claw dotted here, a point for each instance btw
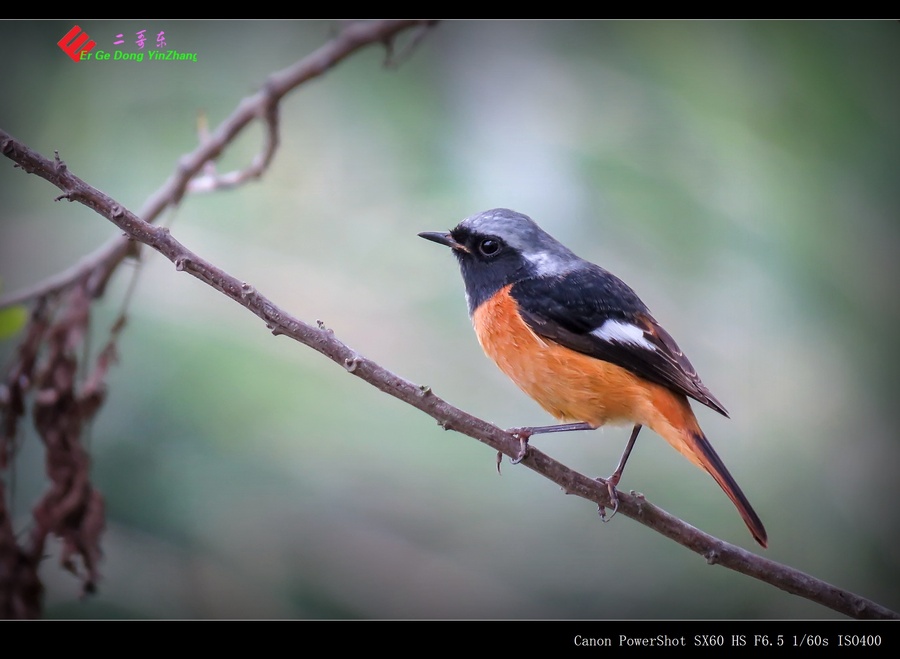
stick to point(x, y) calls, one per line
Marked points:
point(611, 483)
point(523, 450)
point(523, 435)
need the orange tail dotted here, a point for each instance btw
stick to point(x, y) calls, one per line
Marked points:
point(711, 461)
point(674, 420)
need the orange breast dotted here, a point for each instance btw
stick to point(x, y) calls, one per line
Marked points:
point(570, 385)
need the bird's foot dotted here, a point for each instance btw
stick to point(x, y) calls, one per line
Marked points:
point(611, 483)
point(523, 435)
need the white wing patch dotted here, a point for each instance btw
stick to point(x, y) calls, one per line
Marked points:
point(616, 331)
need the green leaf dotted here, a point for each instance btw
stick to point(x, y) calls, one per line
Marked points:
point(12, 320)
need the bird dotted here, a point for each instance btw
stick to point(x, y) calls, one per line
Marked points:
point(581, 343)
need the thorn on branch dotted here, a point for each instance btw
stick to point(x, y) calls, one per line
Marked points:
point(58, 163)
point(65, 195)
point(424, 390)
point(117, 212)
point(247, 290)
point(351, 363)
point(181, 263)
point(712, 556)
point(321, 325)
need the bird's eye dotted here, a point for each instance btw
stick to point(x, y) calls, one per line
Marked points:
point(489, 246)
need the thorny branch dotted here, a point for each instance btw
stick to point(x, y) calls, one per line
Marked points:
point(88, 277)
point(64, 394)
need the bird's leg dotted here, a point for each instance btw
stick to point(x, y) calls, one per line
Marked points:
point(613, 480)
point(524, 434)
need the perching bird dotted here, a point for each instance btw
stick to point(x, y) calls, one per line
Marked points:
point(580, 342)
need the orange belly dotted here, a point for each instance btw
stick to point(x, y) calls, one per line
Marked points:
point(576, 387)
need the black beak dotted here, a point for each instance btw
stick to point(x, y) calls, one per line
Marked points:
point(442, 238)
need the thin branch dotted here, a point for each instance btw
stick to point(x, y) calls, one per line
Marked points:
point(262, 105)
point(713, 550)
point(214, 181)
point(104, 259)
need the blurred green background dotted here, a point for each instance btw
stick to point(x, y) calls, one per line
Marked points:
point(741, 176)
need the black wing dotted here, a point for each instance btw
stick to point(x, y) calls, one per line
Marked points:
point(594, 312)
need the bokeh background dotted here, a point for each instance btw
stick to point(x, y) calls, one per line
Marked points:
point(743, 177)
